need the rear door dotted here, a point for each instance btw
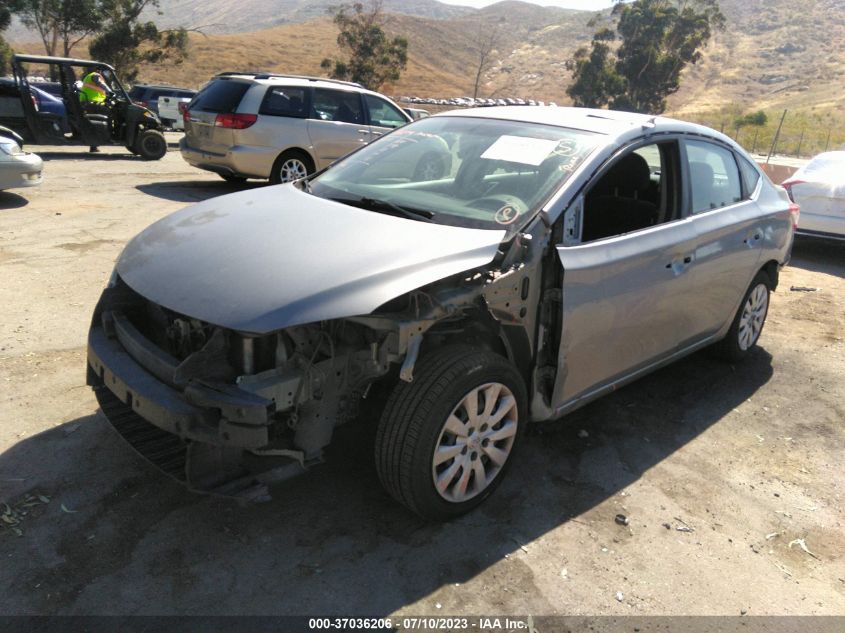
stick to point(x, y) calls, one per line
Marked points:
point(729, 231)
point(222, 96)
point(337, 124)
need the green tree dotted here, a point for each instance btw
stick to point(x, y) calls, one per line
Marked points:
point(64, 22)
point(125, 42)
point(657, 39)
point(6, 8)
point(372, 58)
point(757, 119)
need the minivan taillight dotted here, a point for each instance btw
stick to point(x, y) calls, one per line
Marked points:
point(235, 121)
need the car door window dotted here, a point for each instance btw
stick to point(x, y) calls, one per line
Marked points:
point(638, 190)
point(284, 101)
point(383, 114)
point(714, 176)
point(337, 105)
point(750, 177)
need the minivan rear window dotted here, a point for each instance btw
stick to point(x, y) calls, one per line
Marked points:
point(220, 96)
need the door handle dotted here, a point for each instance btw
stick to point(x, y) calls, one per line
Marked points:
point(364, 132)
point(680, 264)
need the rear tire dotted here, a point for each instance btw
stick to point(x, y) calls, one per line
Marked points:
point(434, 454)
point(151, 145)
point(748, 322)
point(291, 166)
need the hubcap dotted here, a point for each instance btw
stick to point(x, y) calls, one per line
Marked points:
point(475, 442)
point(292, 169)
point(430, 169)
point(753, 316)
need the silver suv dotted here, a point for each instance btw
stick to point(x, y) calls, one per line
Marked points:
point(281, 127)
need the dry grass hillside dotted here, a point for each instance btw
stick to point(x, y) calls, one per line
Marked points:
point(774, 54)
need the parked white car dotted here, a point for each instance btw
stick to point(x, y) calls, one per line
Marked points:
point(819, 189)
point(17, 167)
point(169, 112)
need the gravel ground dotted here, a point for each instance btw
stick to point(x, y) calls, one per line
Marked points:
point(731, 476)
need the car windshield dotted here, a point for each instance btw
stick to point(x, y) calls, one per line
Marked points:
point(463, 171)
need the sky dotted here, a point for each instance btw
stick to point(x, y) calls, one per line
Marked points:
point(586, 5)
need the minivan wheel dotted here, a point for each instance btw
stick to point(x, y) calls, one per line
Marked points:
point(445, 440)
point(289, 166)
point(748, 322)
point(429, 167)
point(151, 145)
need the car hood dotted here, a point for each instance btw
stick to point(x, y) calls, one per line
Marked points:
point(275, 257)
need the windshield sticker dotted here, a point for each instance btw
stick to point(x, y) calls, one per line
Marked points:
point(520, 149)
point(506, 215)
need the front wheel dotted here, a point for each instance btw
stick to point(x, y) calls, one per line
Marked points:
point(290, 166)
point(748, 322)
point(151, 145)
point(445, 440)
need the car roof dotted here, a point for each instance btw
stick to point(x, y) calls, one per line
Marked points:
point(271, 79)
point(162, 87)
point(608, 122)
point(44, 59)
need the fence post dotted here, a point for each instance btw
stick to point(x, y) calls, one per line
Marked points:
point(827, 142)
point(775, 139)
point(754, 144)
point(800, 142)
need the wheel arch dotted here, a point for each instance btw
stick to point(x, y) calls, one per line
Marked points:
point(480, 329)
point(772, 270)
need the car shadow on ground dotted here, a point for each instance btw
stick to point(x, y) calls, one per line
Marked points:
point(10, 200)
point(118, 537)
point(194, 191)
point(84, 154)
point(819, 255)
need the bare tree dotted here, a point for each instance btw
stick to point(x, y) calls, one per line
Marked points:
point(483, 43)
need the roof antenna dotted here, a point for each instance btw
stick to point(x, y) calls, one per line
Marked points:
point(650, 123)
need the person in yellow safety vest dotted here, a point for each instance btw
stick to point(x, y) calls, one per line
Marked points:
point(95, 91)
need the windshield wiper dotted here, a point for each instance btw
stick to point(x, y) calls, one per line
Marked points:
point(385, 206)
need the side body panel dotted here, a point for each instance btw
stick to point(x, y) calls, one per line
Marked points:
point(625, 304)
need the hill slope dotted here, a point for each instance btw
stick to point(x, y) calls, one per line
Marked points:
point(774, 54)
point(225, 16)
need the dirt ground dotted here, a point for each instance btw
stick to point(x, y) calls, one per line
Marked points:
point(731, 476)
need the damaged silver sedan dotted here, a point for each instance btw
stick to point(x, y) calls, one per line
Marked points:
point(564, 253)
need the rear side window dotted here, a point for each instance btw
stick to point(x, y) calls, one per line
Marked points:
point(714, 176)
point(337, 105)
point(750, 177)
point(136, 92)
point(220, 96)
point(285, 101)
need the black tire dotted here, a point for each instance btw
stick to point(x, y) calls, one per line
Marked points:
point(232, 178)
point(291, 166)
point(132, 150)
point(151, 145)
point(414, 424)
point(430, 166)
point(744, 334)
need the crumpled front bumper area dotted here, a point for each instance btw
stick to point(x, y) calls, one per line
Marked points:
point(201, 435)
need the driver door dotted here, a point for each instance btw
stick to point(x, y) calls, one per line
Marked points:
point(626, 283)
point(46, 127)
